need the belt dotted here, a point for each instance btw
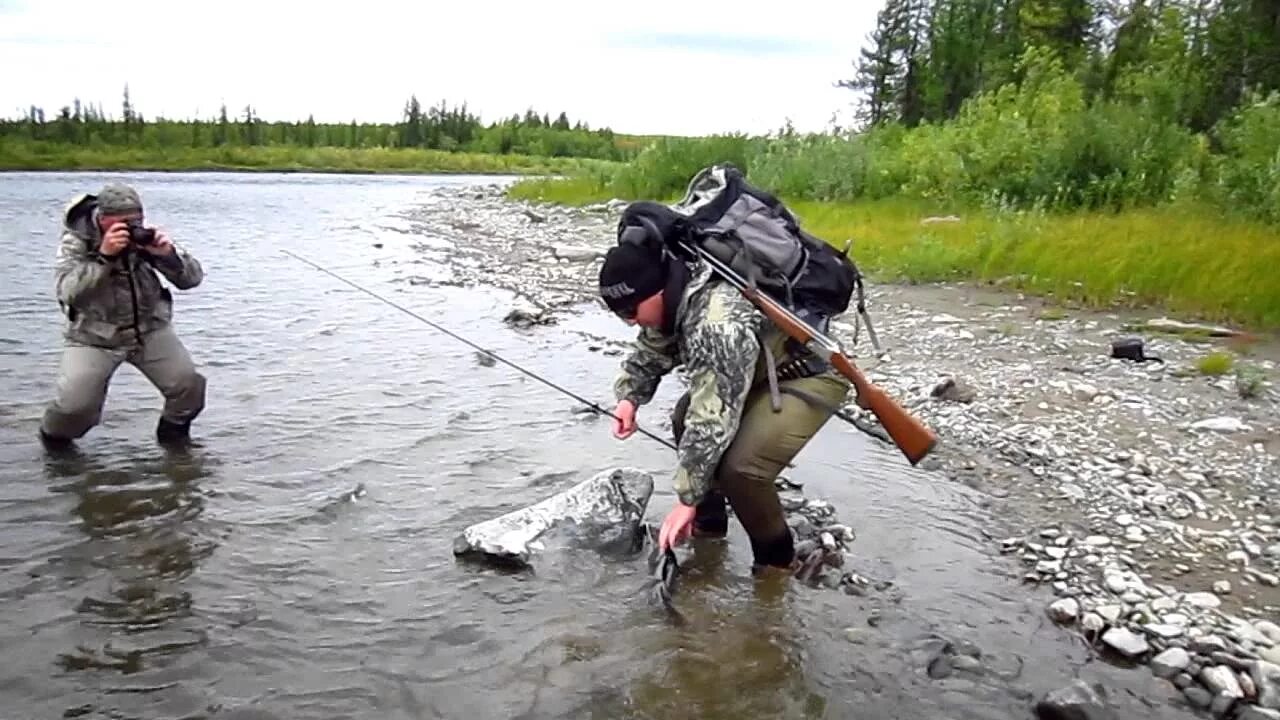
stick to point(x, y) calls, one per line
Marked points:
point(804, 366)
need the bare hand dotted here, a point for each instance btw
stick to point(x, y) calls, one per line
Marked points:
point(162, 246)
point(625, 423)
point(677, 526)
point(115, 241)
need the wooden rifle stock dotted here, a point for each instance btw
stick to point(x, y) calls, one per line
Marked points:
point(908, 433)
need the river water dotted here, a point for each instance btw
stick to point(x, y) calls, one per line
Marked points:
point(296, 563)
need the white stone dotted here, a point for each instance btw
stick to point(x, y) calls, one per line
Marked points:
point(1202, 600)
point(1064, 610)
point(1170, 662)
point(1221, 424)
point(1125, 642)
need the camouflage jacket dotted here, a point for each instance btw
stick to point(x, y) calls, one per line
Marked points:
point(718, 338)
point(113, 301)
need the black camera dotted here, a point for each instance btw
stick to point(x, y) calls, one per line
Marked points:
point(139, 235)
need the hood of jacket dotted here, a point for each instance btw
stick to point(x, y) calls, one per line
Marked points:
point(80, 218)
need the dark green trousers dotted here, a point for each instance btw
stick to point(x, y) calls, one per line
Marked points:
point(765, 443)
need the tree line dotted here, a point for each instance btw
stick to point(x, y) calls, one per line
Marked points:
point(438, 127)
point(1056, 104)
point(1192, 61)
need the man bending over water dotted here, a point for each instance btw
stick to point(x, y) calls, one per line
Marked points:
point(732, 443)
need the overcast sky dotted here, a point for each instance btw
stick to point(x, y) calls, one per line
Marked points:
point(655, 66)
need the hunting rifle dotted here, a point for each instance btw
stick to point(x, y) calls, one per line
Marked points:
point(908, 433)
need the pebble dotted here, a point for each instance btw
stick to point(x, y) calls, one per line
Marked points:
point(1110, 613)
point(1266, 677)
point(1268, 628)
point(1170, 662)
point(1164, 631)
point(1092, 623)
point(1221, 705)
point(1125, 642)
point(1252, 712)
point(1208, 644)
point(1202, 600)
point(1065, 610)
point(1198, 696)
point(1221, 680)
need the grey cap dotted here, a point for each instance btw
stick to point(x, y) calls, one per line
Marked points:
point(118, 199)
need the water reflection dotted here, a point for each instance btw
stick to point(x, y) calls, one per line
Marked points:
point(140, 520)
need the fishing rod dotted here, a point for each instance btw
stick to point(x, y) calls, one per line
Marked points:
point(584, 401)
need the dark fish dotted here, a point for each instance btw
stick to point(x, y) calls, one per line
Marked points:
point(661, 585)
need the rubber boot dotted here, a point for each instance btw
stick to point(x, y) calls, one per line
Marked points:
point(711, 517)
point(777, 553)
point(173, 434)
point(55, 445)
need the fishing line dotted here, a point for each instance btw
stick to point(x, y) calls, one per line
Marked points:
point(491, 354)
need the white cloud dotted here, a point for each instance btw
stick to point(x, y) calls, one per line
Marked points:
point(655, 67)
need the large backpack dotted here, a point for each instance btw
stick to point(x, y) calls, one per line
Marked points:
point(754, 234)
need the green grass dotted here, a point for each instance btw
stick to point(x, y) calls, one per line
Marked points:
point(1217, 363)
point(575, 190)
point(57, 156)
point(1186, 259)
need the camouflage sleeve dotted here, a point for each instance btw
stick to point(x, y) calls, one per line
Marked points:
point(180, 268)
point(721, 364)
point(76, 270)
point(654, 356)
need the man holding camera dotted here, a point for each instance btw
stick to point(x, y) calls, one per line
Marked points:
point(106, 278)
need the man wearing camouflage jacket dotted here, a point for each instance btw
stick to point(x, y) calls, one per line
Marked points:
point(107, 282)
point(733, 435)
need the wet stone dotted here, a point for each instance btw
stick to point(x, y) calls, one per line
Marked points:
point(1125, 642)
point(1065, 610)
point(1221, 680)
point(1202, 600)
point(1092, 623)
point(1252, 712)
point(1221, 705)
point(1198, 696)
point(1077, 701)
point(1227, 659)
point(1163, 630)
point(1170, 662)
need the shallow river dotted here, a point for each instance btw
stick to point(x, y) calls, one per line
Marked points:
point(297, 562)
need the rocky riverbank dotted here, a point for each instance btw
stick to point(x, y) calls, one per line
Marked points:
point(1147, 490)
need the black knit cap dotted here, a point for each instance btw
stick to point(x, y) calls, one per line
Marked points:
point(630, 275)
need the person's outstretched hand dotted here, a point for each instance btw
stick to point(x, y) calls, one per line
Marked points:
point(624, 423)
point(677, 526)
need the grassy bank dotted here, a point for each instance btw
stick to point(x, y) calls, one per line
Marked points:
point(1102, 201)
point(59, 156)
point(1187, 259)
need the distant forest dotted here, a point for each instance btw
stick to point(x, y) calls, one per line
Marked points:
point(439, 127)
